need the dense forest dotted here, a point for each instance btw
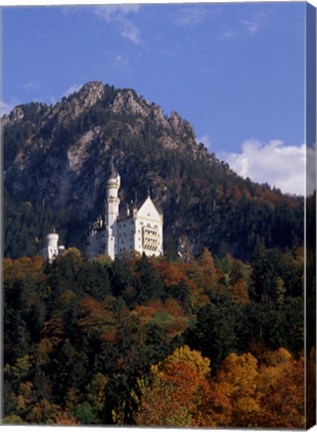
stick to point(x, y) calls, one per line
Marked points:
point(155, 342)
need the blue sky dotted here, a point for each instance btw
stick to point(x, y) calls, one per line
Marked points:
point(235, 71)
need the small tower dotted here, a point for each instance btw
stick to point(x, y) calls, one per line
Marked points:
point(52, 250)
point(112, 213)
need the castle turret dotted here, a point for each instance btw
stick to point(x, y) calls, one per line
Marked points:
point(51, 249)
point(112, 213)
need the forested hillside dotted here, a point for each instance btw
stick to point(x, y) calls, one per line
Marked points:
point(209, 335)
point(57, 160)
point(144, 341)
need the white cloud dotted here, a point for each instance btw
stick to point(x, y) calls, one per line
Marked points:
point(72, 89)
point(249, 26)
point(113, 12)
point(31, 85)
point(130, 31)
point(190, 16)
point(121, 59)
point(275, 163)
point(206, 141)
point(119, 15)
point(228, 33)
point(7, 107)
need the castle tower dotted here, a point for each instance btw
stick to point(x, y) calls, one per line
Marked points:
point(111, 216)
point(52, 250)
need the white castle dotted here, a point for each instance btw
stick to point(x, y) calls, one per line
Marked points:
point(138, 228)
point(52, 249)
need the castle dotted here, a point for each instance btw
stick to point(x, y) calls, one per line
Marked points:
point(138, 227)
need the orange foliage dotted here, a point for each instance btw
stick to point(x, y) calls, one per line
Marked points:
point(283, 403)
point(170, 273)
point(239, 292)
point(94, 315)
point(174, 308)
point(269, 395)
point(63, 419)
point(171, 396)
point(180, 393)
point(144, 313)
point(311, 387)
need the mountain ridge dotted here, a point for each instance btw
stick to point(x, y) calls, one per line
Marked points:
point(59, 157)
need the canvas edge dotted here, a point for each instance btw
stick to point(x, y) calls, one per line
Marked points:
point(310, 217)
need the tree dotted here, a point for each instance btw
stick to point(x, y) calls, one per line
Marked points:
point(238, 377)
point(283, 403)
point(149, 284)
point(170, 395)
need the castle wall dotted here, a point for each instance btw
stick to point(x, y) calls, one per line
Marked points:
point(149, 230)
point(126, 229)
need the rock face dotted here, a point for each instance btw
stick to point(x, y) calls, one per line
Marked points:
point(59, 156)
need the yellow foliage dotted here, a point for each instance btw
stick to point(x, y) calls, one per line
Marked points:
point(12, 419)
point(240, 372)
point(277, 358)
point(194, 359)
point(72, 251)
point(23, 268)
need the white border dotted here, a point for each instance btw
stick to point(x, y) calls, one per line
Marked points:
point(14, 3)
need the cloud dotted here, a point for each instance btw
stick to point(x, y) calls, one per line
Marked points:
point(229, 33)
point(31, 85)
point(72, 89)
point(130, 31)
point(190, 16)
point(118, 14)
point(249, 26)
point(113, 12)
point(275, 163)
point(7, 107)
point(121, 59)
point(206, 141)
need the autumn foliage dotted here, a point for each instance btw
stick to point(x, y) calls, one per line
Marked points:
point(213, 342)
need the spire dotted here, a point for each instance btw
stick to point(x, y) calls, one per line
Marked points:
point(113, 171)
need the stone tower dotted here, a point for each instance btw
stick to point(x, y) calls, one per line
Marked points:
point(111, 214)
point(52, 249)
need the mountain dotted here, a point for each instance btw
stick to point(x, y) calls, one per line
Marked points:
point(57, 160)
